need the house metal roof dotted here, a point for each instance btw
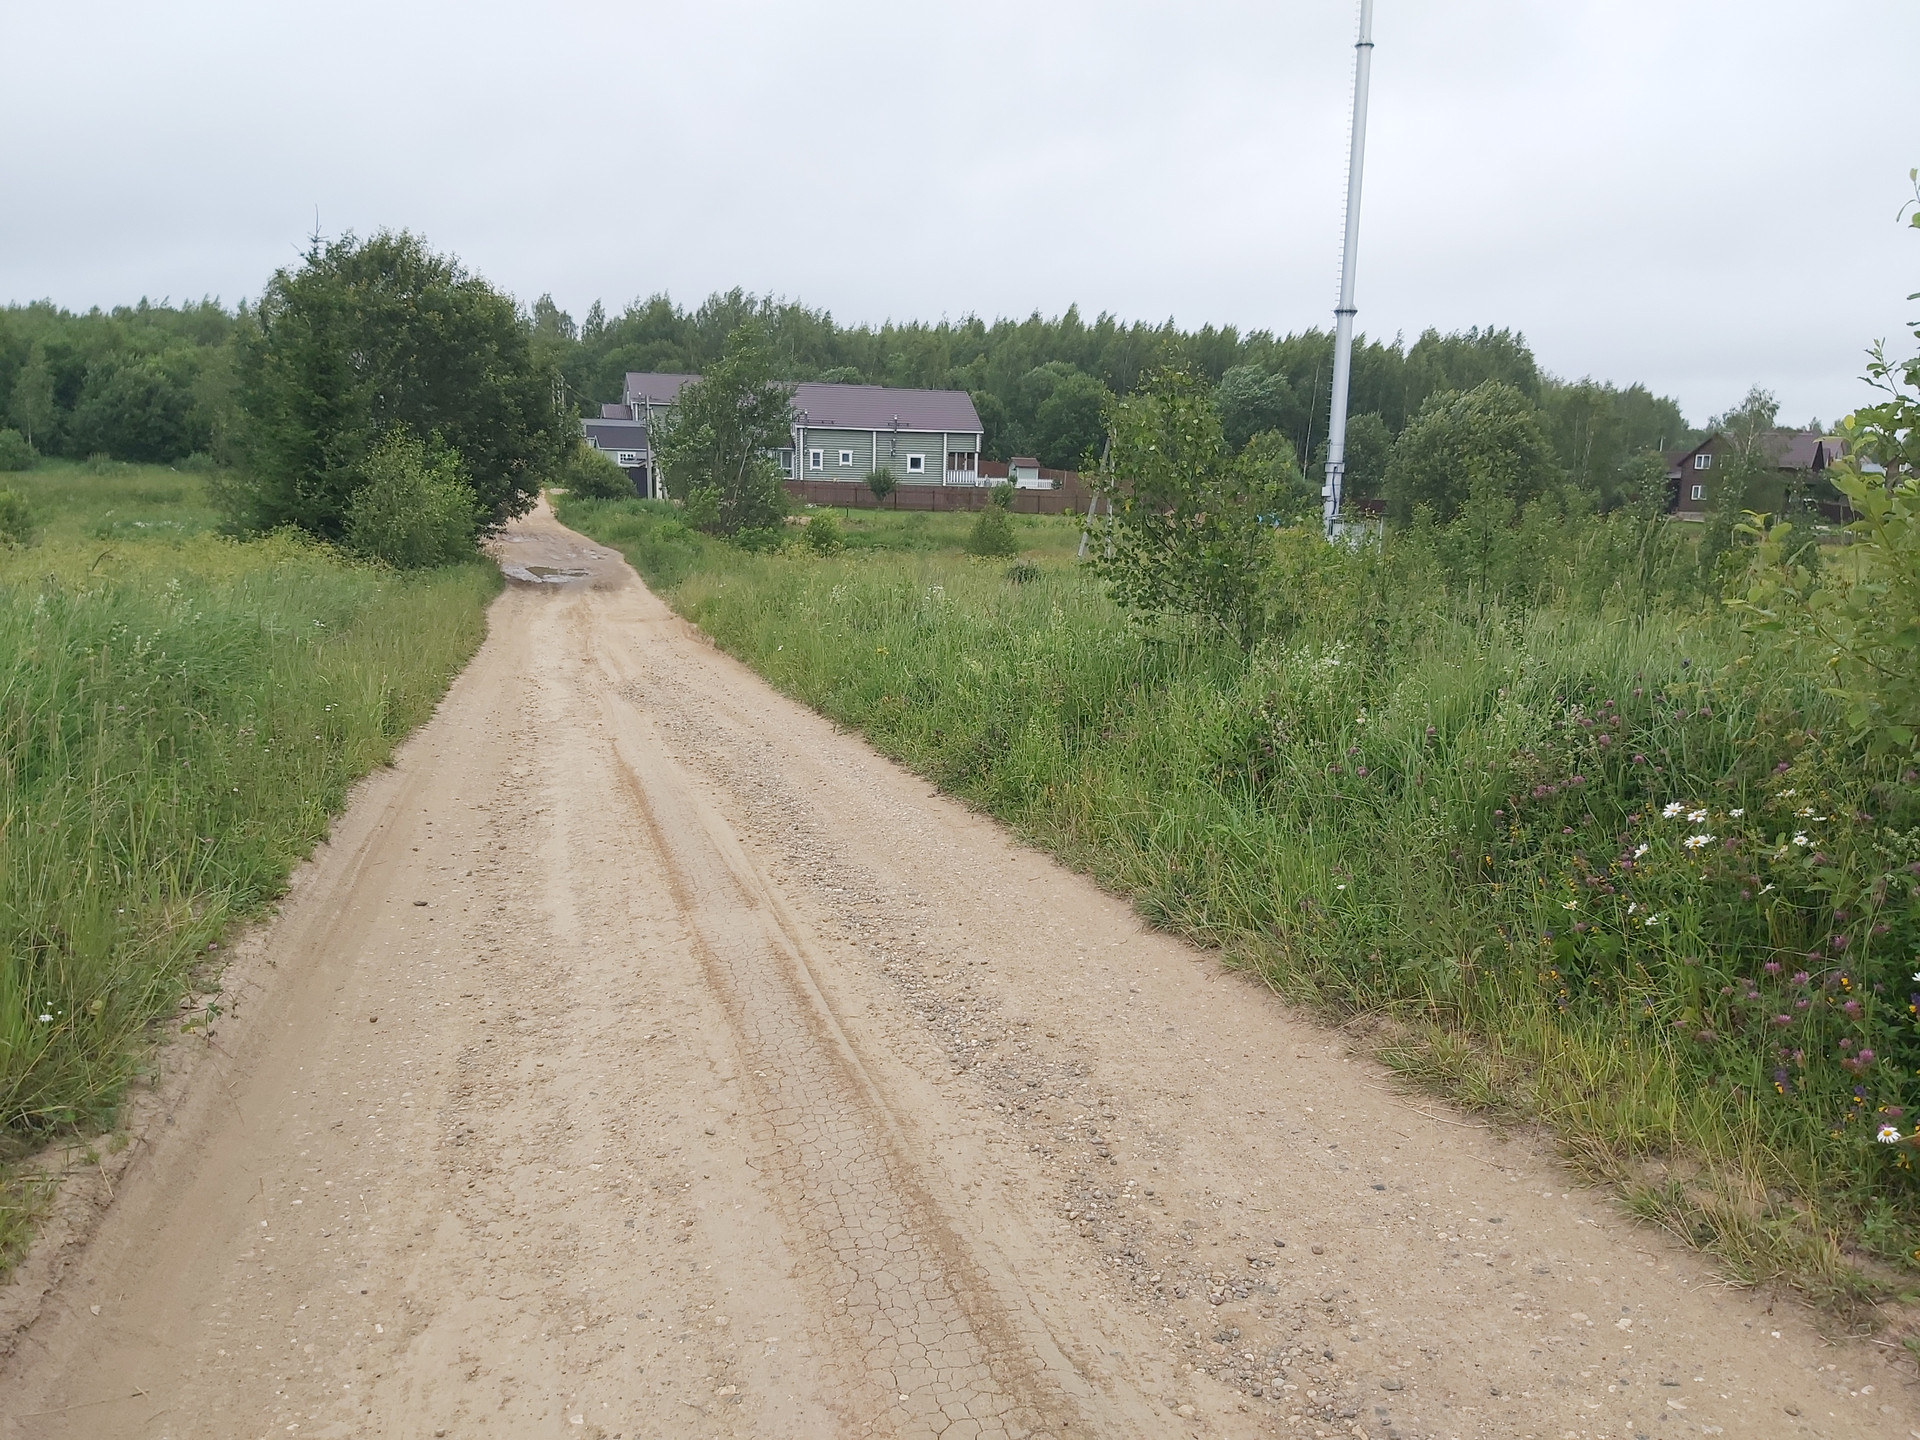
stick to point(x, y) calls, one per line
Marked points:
point(878, 407)
point(655, 388)
point(1025, 461)
point(622, 434)
point(844, 407)
point(615, 412)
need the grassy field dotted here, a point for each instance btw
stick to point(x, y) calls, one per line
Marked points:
point(180, 715)
point(1470, 830)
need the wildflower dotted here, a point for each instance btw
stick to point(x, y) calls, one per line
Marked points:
point(1772, 967)
point(1694, 842)
point(1671, 809)
point(1697, 817)
point(1640, 850)
point(46, 1019)
point(1805, 812)
point(1639, 759)
point(1839, 942)
point(1782, 1021)
point(1802, 979)
point(1570, 905)
point(1654, 919)
point(1889, 1135)
point(1786, 794)
point(1736, 814)
point(1801, 840)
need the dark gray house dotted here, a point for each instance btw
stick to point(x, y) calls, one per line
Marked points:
point(842, 432)
point(623, 440)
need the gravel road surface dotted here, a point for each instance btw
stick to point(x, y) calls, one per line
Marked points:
point(642, 1057)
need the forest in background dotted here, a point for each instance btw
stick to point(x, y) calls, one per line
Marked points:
point(156, 382)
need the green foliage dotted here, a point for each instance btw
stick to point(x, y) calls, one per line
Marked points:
point(1067, 407)
point(590, 474)
point(1274, 470)
point(713, 441)
point(882, 483)
point(823, 534)
point(16, 519)
point(1369, 449)
point(1001, 495)
point(992, 534)
point(179, 717)
point(416, 510)
point(31, 404)
point(1601, 435)
point(1253, 402)
point(367, 335)
point(1856, 611)
point(16, 452)
point(132, 411)
point(57, 368)
point(1188, 532)
point(1483, 444)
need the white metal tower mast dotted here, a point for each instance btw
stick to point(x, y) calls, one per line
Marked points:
point(1343, 316)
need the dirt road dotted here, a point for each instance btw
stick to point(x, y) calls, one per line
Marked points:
point(643, 1058)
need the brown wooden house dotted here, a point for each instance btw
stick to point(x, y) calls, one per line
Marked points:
point(1800, 460)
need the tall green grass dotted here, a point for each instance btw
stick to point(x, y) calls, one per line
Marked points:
point(180, 715)
point(1401, 808)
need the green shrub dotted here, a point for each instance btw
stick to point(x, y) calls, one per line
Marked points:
point(16, 519)
point(882, 483)
point(416, 509)
point(823, 534)
point(1002, 495)
point(593, 476)
point(15, 453)
point(992, 534)
point(1023, 572)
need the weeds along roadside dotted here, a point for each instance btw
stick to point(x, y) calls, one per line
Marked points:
point(179, 718)
point(1434, 818)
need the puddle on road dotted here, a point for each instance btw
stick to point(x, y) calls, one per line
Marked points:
point(542, 574)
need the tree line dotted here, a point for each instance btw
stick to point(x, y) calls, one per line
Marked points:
point(288, 398)
point(1041, 384)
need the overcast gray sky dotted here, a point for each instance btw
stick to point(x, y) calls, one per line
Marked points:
point(1697, 194)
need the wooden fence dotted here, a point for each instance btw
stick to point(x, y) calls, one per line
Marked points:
point(1071, 496)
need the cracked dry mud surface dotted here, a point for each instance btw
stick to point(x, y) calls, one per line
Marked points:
point(642, 1057)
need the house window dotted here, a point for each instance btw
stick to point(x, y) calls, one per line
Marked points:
point(846, 459)
point(630, 460)
point(816, 459)
point(786, 462)
point(916, 464)
point(1699, 492)
point(1703, 462)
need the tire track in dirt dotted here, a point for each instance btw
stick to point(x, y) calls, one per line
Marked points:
point(931, 1350)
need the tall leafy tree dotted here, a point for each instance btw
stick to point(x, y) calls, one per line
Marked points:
point(714, 441)
point(133, 412)
point(31, 405)
point(1189, 529)
point(366, 336)
point(1485, 443)
point(1253, 400)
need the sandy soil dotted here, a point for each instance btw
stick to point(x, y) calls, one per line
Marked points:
point(643, 1058)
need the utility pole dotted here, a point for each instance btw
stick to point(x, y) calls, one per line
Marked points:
point(1343, 316)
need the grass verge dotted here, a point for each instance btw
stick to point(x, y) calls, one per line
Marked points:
point(180, 716)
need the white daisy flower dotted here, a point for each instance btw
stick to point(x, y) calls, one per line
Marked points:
point(1697, 817)
point(1800, 840)
point(1694, 842)
point(1671, 809)
point(1736, 814)
point(1889, 1135)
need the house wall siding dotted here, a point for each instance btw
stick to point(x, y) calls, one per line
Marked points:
point(934, 444)
point(830, 443)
